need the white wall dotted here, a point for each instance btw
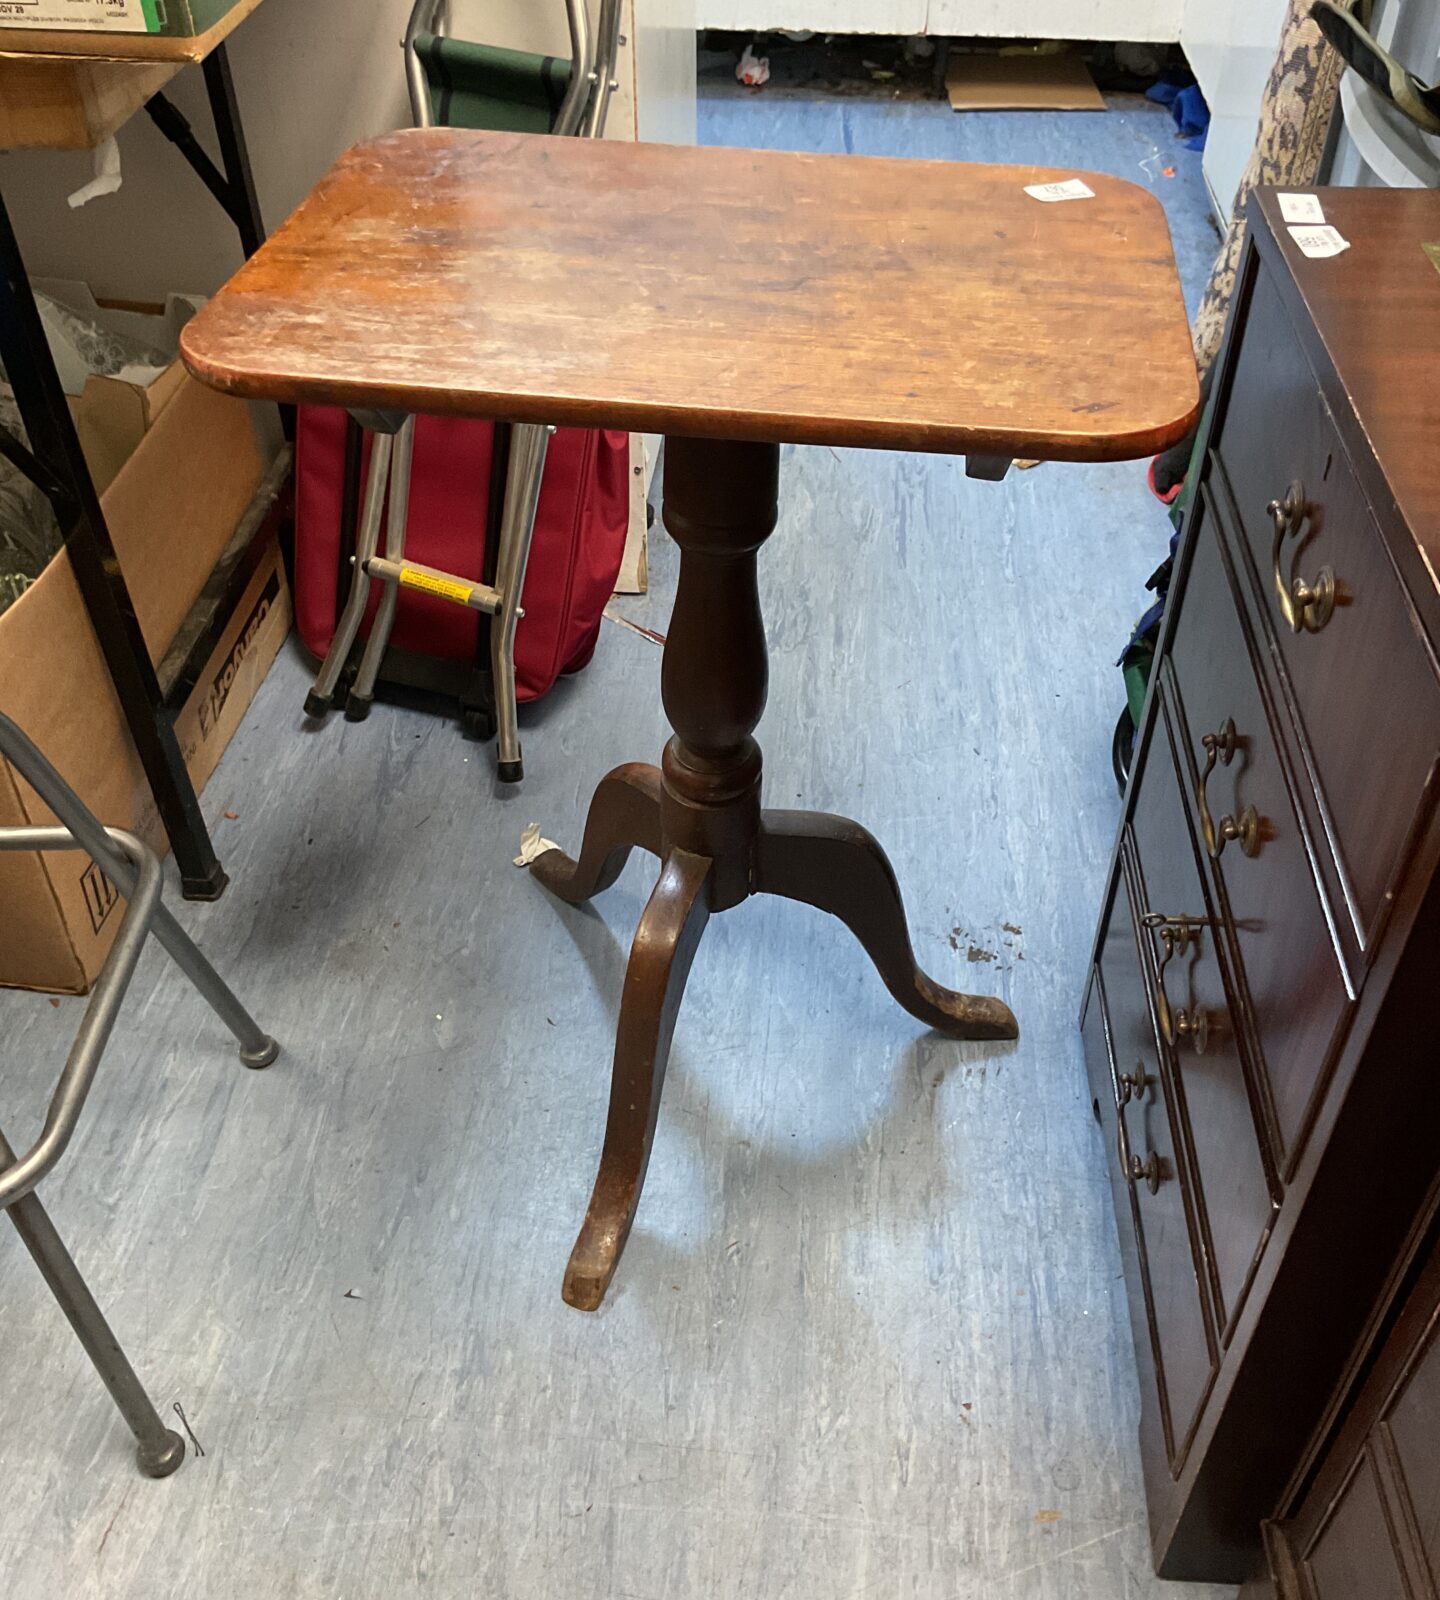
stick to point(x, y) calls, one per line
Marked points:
point(312, 77)
point(837, 16)
point(1155, 21)
point(1231, 45)
point(1150, 21)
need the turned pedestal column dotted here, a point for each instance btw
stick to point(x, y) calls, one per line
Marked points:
point(700, 813)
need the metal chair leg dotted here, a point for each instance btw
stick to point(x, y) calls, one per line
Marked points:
point(158, 1449)
point(529, 446)
point(122, 859)
point(362, 695)
point(135, 871)
point(322, 697)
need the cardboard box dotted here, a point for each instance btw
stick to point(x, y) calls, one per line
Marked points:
point(112, 415)
point(169, 18)
point(988, 82)
point(171, 511)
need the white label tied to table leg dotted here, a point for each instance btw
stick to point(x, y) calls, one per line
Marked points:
point(1072, 189)
point(1319, 243)
point(532, 845)
point(1302, 208)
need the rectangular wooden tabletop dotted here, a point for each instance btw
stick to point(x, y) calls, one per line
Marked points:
point(745, 294)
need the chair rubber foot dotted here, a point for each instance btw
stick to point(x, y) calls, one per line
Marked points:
point(257, 1060)
point(357, 707)
point(317, 705)
point(160, 1461)
point(511, 771)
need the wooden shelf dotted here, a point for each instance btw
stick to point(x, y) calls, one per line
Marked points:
point(48, 103)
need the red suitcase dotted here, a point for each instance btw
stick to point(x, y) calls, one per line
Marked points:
point(574, 558)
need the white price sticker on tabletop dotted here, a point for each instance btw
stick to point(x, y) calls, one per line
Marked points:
point(1319, 243)
point(1305, 208)
point(1074, 189)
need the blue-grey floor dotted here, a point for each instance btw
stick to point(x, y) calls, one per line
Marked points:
point(869, 1337)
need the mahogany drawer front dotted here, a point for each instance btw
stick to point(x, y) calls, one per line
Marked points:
point(1372, 1508)
point(1354, 1557)
point(1413, 1423)
point(1215, 1109)
point(1100, 1068)
point(1288, 969)
point(1360, 675)
point(1177, 1329)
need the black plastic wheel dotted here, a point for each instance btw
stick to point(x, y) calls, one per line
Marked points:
point(478, 722)
point(1122, 749)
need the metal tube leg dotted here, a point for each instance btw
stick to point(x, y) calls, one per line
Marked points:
point(114, 855)
point(530, 445)
point(322, 696)
point(257, 1048)
point(357, 707)
point(159, 1449)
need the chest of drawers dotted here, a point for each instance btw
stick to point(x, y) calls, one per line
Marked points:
point(1259, 1020)
point(1363, 1521)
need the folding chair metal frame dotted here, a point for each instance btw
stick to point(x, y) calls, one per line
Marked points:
point(582, 114)
point(135, 871)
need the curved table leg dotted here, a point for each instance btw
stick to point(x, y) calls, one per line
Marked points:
point(837, 866)
point(660, 959)
point(624, 814)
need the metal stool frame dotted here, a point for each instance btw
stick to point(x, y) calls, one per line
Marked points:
point(135, 871)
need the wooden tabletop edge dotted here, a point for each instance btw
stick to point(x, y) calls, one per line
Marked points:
point(633, 150)
point(697, 421)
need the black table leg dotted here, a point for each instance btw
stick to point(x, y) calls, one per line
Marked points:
point(58, 466)
point(232, 182)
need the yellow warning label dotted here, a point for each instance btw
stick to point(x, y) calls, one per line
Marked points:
point(446, 588)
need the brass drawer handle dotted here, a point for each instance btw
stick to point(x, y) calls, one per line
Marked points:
point(1222, 747)
point(1133, 1168)
point(1134, 1084)
point(1306, 609)
point(1177, 934)
point(1192, 1025)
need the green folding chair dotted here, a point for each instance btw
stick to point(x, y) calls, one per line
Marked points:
point(456, 83)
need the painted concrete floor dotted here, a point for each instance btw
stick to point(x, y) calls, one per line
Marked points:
point(869, 1337)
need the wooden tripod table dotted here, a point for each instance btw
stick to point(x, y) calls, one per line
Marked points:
point(732, 300)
